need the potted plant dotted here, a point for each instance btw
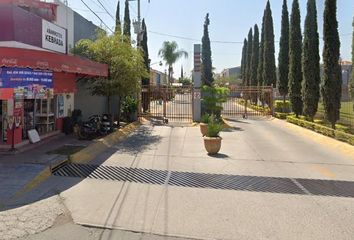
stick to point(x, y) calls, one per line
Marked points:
point(204, 124)
point(212, 140)
point(130, 109)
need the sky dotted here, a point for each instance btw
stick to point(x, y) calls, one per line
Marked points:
point(230, 20)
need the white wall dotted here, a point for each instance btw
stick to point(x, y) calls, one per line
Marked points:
point(65, 19)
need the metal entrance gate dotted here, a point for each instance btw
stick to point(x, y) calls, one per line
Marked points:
point(249, 102)
point(172, 103)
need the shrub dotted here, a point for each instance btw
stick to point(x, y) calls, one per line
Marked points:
point(279, 106)
point(205, 118)
point(281, 115)
point(214, 127)
point(129, 106)
point(212, 100)
point(327, 131)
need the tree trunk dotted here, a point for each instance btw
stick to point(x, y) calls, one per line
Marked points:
point(334, 125)
point(169, 74)
point(284, 97)
point(119, 110)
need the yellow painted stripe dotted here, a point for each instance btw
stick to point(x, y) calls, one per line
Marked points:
point(324, 171)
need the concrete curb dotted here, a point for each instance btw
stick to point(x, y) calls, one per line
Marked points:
point(83, 156)
point(93, 150)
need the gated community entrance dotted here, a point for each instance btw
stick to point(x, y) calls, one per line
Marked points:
point(183, 103)
point(176, 103)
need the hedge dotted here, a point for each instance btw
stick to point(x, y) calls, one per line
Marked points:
point(337, 134)
point(280, 107)
point(281, 115)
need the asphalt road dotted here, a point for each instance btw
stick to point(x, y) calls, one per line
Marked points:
point(253, 148)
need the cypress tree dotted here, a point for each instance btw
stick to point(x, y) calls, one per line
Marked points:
point(118, 23)
point(260, 60)
point(207, 69)
point(269, 74)
point(352, 80)
point(243, 62)
point(144, 47)
point(127, 23)
point(145, 81)
point(311, 63)
point(283, 64)
point(249, 57)
point(331, 86)
point(295, 49)
point(255, 56)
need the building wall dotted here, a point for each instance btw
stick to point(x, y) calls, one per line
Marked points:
point(88, 104)
point(65, 19)
point(14, 26)
point(83, 29)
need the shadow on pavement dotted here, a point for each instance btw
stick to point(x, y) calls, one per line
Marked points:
point(138, 141)
point(233, 129)
point(220, 156)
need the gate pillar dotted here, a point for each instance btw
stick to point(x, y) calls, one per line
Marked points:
point(197, 83)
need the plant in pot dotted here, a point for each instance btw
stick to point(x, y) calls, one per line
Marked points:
point(204, 124)
point(130, 109)
point(212, 140)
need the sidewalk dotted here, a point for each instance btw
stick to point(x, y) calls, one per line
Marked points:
point(20, 168)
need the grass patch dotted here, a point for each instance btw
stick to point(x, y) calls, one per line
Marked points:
point(66, 150)
point(346, 113)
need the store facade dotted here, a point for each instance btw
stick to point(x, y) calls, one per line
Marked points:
point(37, 75)
point(38, 94)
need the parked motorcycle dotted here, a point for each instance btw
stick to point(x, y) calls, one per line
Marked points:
point(95, 126)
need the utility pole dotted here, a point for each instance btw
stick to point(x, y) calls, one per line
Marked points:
point(137, 24)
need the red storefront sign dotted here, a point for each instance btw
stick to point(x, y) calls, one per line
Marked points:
point(27, 58)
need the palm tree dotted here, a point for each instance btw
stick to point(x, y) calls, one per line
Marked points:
point(170, 54)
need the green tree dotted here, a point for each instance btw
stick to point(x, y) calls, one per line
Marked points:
point(352, 80)
point(295, 49)
point(269, 74)
point(249, 57)
point(170, 54)
point(145, 49)
point(283, 65)
point(255, 56)
point(126, 66)
point(127, 23)
point(118, 23)
point(145, 81)
point(331, 86)
point(311, 63)
point(260, 61)
point(207, 65)
point(243, 62)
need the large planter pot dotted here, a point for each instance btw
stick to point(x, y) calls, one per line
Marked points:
point(133, 116)
point(203, 128)
point(212, 145)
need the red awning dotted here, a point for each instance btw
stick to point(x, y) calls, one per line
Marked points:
point(28, 58)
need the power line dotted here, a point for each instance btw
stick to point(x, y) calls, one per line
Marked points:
point(216, 41)
point(192, 39)
point(85, 10)
point(97, 16)
point(106, 10)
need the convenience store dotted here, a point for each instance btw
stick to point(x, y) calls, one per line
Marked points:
point(37, 90)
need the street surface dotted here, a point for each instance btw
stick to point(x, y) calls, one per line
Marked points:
point(260, 148)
